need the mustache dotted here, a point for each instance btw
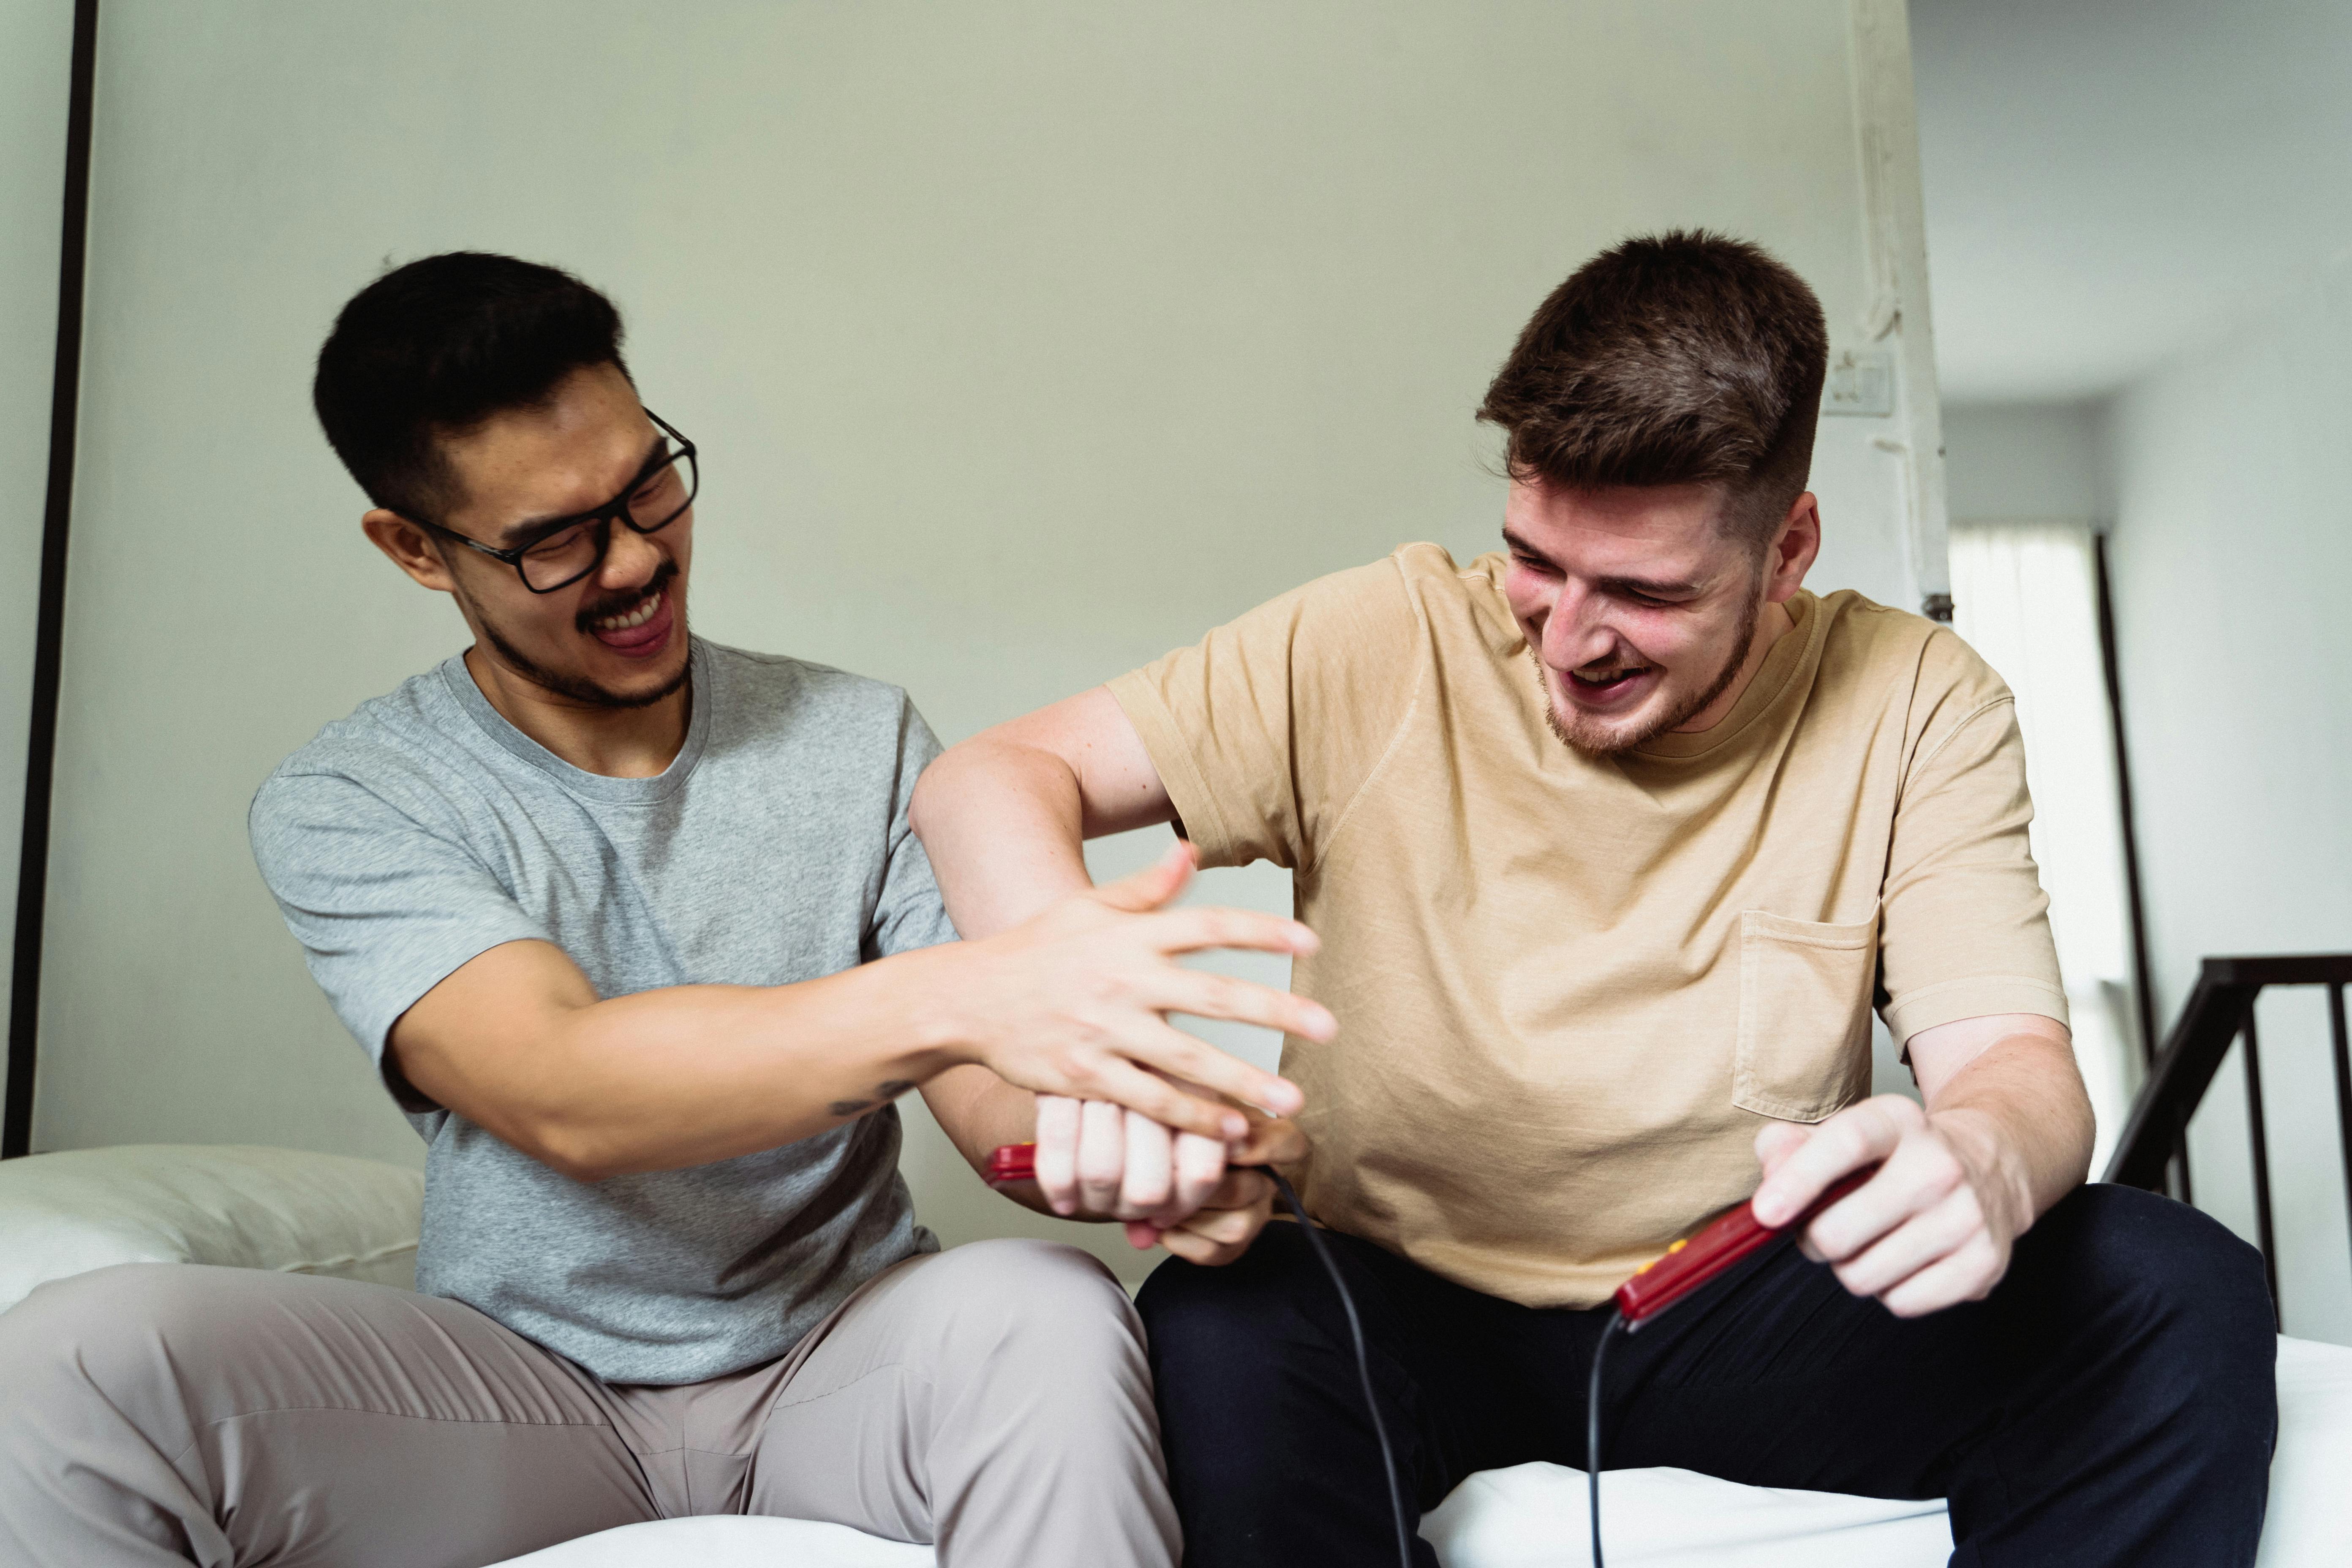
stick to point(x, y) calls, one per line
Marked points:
point(616, 603)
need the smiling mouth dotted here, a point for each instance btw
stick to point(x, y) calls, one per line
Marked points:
point(1606, 679)
point(643, 611)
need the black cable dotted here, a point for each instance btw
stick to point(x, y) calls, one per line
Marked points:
point(1404, 1527)
point(1592, 1431)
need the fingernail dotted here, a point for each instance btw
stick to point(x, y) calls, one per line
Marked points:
point(1236, 1130)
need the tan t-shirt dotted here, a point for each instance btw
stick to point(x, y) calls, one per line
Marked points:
point(1570, 989)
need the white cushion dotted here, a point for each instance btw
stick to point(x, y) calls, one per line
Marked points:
point(1522, 1517)
point(728, 1542)
point(165, 1203)
point(1532, 1516)
point(2311, 1472)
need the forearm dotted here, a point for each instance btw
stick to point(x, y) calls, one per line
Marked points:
point(981, 1112)
point(692, 1074)
point(1004, 817)
point(2019, 1109)
point(1005, 828)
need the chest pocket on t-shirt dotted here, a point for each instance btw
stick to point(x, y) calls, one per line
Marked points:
point(1804, 1015)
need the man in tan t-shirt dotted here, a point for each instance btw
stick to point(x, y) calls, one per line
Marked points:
point(1612, 840)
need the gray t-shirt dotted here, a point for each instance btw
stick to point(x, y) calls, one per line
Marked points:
point(425, 829)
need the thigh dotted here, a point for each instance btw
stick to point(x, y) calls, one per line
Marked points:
point(2120, 1312)
point(1271, 1454)
point(1776, 1376)
point(992, 1400)
point(159, 1412)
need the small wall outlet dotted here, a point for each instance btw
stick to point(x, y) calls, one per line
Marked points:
point(1861, 381)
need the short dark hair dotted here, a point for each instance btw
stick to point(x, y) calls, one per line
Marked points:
point(1678, 358)
point(439, 346)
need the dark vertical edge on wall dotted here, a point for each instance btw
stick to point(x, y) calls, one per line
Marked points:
point(48, 634)
point(2109, 666)
point(2143, 987)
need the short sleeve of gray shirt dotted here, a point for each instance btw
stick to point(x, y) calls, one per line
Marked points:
point(425, 829)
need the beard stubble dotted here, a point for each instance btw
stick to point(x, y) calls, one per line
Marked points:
point(1671, 717)
point(579, 687)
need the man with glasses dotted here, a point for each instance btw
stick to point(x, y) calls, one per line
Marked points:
point(635, 932)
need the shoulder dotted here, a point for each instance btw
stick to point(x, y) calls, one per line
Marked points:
point(1414, 592)
point(1471, 595)
point(776, 697)
point(376, 777)
point(1894, 660)
point(400, 738)
point(1867, 638)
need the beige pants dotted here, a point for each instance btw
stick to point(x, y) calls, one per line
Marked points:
point(992, 1399)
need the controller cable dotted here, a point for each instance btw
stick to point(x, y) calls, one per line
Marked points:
point(1657, 1285)
point(1592, 1429)
point(1405, 1530)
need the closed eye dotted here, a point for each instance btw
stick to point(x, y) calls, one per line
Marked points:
point(556, 543)
point(657, 484)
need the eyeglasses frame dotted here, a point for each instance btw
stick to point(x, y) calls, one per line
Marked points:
point(617, 508)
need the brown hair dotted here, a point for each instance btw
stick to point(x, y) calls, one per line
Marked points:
point(1676, 358)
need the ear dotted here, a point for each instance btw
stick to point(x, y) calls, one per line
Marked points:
point(411, 548)
point(1795, 545)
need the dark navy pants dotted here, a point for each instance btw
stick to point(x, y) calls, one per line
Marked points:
point(2113, 1402)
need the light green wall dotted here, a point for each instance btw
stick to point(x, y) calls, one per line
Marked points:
point(36, 57)
point(1024, 339)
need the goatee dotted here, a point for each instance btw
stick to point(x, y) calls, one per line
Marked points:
point(579, 689)
point(1610, 743)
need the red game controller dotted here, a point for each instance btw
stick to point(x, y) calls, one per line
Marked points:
point(1684, 1266)
point(1695, 1259)
point(1012, 1165)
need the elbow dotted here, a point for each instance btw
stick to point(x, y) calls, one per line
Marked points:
point(584, 1168)
point(581, 1153)
point(2086, 1139)
point(928, 806)
point(922, 807)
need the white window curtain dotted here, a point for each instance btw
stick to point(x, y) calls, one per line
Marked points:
point(2024, 595)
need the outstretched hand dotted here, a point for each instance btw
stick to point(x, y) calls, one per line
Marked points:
point(1075, 1002)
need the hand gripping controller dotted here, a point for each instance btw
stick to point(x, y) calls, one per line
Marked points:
point(1698, 1258)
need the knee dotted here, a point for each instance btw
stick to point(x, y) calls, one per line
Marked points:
point(1237, 1315)
point(2184, 1297)
point(2164, 1262)
point(1010, 1294)
point(96, 1333)
point(1231, 1347)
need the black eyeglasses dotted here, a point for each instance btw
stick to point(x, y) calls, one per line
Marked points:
point(570, 548)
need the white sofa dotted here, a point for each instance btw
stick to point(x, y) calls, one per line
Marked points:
point(276, 1208)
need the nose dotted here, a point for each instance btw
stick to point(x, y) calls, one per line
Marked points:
point(1575, 628)
point(631, 559)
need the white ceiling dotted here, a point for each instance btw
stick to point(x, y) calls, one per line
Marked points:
point(2110, 180)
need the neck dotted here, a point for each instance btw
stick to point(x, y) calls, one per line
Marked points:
point(618, 742)
point(1772, 624)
